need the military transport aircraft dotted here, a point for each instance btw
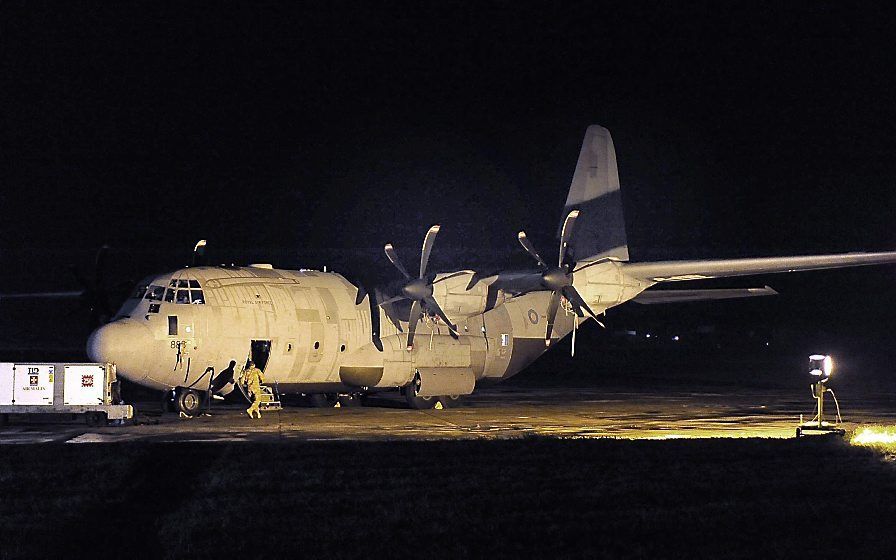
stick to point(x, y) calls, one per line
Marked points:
point(438, 338)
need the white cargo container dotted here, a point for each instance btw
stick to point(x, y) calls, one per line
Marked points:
point(66, 388)
point(84, 384)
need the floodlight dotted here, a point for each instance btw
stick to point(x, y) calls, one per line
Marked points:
point(821, 365)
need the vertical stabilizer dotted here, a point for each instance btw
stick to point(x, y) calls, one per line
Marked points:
point(600, 229)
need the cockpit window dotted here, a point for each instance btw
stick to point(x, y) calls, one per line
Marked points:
point(155, 293)
point(179, 291)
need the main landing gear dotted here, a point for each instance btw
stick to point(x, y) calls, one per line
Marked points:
point(418, 402)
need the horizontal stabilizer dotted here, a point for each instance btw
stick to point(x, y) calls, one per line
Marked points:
point(674, 271)
point(651, 297)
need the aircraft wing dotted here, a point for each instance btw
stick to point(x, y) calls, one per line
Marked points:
point(651, 297)
point(674, 271)
point(42, 295)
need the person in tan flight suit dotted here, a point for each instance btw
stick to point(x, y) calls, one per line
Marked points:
point(254, 380)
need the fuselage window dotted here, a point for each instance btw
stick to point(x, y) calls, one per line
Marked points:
point(183, 296)
point(155, 293)
point(172, 325)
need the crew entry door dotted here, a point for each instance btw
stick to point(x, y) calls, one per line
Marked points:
point(260, 353)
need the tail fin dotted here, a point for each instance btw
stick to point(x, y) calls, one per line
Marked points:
point(600, 229)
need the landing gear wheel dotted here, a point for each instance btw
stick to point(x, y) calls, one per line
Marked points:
point(167, 402)
point(188, 401)
point(414, 400)
point(350, 400)
point(450, 401)
point(321, 400)
point(96, 418)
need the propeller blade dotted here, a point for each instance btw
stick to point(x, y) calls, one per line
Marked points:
point(392, 300)
point(592, 263)
point(393, 258)
point(473, 281)
point(575, 327)
point(527, 245)
point(580, 304)
point(479, 276)
point(450, 276)
point(362, 293)
point(413, 319)
point(566, 234)
point(79, 277)
point(433, 305)
point(428, 242)
point(553, 306)
point(99, 266)
point(390, 312)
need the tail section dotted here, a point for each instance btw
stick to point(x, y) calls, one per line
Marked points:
point(600, 229)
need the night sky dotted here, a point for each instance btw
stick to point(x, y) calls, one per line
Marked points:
point(286, 130)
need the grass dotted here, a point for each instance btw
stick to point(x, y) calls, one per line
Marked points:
point(532, 497)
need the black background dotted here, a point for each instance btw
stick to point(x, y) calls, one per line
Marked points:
point(312, 135)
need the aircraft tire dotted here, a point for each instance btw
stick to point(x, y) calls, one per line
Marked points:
point(450, 401)
point(167, 402)
point(321, 400)
point(188, 401)
point(351, 400)
point(417, 402)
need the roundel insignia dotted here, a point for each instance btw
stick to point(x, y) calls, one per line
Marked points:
point(533, 316)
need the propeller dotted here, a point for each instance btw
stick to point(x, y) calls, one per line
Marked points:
point(558, 279)
point(419, 290)
point(94, 296)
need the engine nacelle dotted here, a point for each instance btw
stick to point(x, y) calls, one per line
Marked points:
point(460, 303)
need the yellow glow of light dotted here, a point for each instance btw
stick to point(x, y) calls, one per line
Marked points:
point(874, 436)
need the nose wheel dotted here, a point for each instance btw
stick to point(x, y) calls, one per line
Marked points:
point(188, 401)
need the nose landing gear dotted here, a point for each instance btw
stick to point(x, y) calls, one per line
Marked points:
point(187, 402)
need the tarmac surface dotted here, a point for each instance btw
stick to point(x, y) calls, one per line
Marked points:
point(500, 412)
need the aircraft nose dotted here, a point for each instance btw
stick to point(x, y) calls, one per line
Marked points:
point(124, 343)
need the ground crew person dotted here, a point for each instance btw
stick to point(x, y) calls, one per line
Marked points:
point(254, 380)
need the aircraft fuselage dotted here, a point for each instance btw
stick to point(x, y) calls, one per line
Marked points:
point(308, 332)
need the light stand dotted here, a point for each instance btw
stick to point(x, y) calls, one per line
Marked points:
point(820, 368)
